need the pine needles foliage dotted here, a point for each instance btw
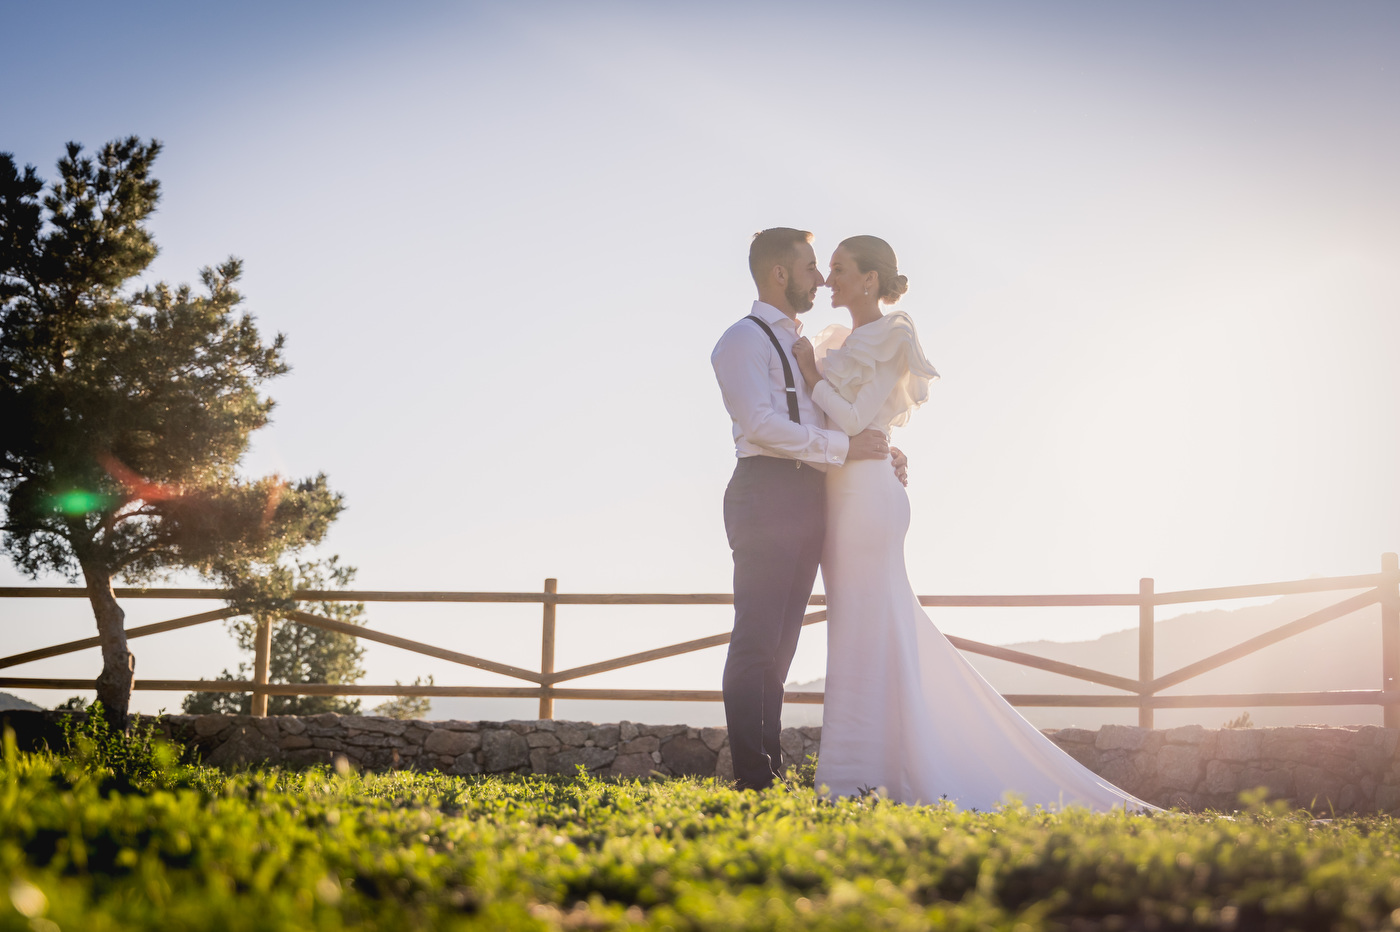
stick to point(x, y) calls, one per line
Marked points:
point(128, 405)
point(300, 653)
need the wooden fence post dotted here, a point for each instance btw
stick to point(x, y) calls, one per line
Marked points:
point(262, 657)
point(551, 586)
point(1146, 647)
point(1390, 637)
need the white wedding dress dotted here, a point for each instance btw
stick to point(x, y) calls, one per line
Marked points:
point(904, 712)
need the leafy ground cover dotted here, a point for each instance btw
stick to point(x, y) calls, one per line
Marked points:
point(88, 846)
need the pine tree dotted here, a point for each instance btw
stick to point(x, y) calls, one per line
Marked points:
point(300, 653)
point(406, 707)
point(127, 409)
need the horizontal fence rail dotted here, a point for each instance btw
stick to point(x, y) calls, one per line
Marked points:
point(1142, 693)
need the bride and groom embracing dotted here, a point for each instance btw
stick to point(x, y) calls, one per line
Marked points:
point(817, 483)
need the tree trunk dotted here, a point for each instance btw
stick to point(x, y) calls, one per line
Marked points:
point(118, 664)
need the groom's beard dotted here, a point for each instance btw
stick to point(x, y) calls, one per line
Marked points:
point(798, 300)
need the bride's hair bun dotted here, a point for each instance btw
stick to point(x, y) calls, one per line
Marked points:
point(896, 288)
point(873, 254)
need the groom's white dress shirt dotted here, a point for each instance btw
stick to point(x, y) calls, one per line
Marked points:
point(751, 381)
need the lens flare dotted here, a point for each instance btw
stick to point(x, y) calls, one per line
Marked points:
point(77, 502)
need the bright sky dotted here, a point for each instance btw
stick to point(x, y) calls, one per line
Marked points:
point(1151, 249)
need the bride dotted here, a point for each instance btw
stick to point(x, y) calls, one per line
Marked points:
point(904, 712)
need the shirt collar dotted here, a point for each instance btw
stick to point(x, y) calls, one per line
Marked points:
point(771, 316)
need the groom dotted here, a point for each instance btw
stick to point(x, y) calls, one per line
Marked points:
point(775, 505)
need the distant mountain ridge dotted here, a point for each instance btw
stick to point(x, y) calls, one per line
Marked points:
point(1341, 654)
point(8, 702)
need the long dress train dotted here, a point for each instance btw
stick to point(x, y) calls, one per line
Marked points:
point(904, 711)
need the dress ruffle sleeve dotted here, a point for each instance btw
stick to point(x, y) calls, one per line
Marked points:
point(890, 341)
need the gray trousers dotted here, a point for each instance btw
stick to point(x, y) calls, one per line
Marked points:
point(775, 516)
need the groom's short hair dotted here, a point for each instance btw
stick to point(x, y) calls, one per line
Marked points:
point(773, 247)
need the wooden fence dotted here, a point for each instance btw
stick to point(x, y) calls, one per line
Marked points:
point(1381, 588)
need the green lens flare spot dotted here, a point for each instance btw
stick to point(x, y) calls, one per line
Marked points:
point(78, 502)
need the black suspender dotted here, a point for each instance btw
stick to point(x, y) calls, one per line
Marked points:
point(787, 370)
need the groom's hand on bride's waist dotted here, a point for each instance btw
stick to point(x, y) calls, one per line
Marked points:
point(869, 444)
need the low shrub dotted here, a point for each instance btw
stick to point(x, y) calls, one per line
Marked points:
point(137, 756)
point(328, 849)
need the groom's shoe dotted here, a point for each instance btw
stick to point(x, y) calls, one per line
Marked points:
point(775, 781)
point(756, 787)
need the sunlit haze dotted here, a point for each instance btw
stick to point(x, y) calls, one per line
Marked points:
point(1152, 250)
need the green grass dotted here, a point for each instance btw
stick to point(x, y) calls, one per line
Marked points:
point(185, 847)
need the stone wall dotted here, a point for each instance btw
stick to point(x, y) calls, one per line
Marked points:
point(1327, 769)
point(1323, 768)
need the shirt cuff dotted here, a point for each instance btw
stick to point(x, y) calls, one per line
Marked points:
point(837, 449)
